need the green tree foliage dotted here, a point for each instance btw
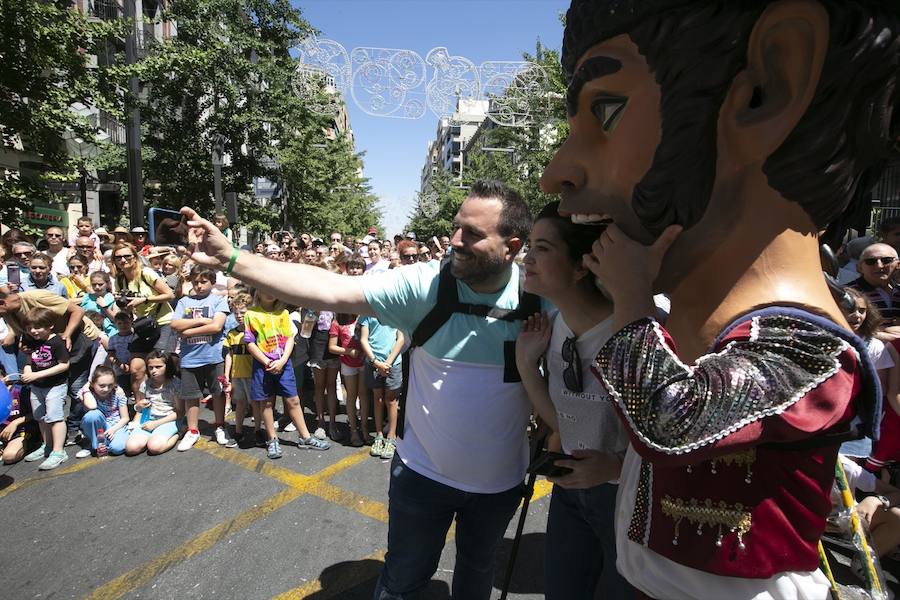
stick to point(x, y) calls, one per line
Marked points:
point(514, 155)
point(531, 148)
point(228, 77)
point(43, 72)
point(436, 207)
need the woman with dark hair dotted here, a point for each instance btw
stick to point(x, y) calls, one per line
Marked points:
point(77, 283)
point(142, 291)
point(580, 557)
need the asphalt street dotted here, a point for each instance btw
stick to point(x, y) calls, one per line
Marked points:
point(229, 523)
point(218, 523)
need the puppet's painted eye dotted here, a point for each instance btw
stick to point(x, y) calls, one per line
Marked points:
point(608, 110)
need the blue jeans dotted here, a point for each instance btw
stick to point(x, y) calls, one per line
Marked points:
point(8, 360)
point(92, 421)
point(580, 551)
point(420, 512)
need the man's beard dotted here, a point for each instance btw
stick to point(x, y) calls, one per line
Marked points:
point(474, 268)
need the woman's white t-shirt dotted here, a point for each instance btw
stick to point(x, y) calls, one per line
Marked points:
point(587, 419)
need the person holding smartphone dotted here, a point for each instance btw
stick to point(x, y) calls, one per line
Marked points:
point(580, 556)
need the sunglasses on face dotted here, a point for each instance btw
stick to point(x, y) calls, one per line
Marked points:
point(85, 247)
point(124, 257)
point(408, 257)
point(875, 260)
point(572, 373)
point(28, 253)
point(53, 235)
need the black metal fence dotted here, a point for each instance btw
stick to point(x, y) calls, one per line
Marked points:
point(104, 9)
point(886, 195)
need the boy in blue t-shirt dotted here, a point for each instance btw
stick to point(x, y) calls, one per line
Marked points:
point(382, 345)
point(199, 320)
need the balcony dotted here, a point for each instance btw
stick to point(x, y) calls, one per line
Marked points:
point(105, 122)
point(106, 10)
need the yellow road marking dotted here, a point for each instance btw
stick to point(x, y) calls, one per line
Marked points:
point(354, 573)
point(298, 485)
point(145, 572)
point(315, 485)
point(542, 487)
point(350, 576)
point(58, 472)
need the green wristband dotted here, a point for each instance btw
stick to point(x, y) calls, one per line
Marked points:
point(233, 261)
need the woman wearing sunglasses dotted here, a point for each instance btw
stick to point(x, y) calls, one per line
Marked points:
point(144, 293)
point(580, 555)
point(77, 282)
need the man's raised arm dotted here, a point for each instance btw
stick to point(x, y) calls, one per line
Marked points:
point(301, 285)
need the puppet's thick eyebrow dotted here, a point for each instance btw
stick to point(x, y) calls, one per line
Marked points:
point(592, 68)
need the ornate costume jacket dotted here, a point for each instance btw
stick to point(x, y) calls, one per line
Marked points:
point(738, 450)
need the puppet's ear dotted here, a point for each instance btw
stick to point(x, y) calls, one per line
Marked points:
point(785, 54)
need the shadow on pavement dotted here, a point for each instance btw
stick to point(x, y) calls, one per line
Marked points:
point(6, 481)
point(528, 573)
point(355, 580)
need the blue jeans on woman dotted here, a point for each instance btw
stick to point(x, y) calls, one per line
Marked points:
point(420, 512)
point(580, 551)
point(92, 422)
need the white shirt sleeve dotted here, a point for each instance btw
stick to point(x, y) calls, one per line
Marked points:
point(881, 358)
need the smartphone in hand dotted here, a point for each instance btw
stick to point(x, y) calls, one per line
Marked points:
point(543, 464)
point(14, 275)
point(167, 227)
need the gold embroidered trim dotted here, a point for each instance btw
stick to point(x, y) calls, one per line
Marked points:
point(708, 514)
point(740, 459)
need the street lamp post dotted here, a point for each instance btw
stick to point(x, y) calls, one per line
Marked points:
point(217, 160)
point(133, 127)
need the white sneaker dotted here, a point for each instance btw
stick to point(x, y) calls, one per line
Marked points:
point(290, 427)
point(320, 434)
point(83, 453)
point(188, 440)
point(222, 438)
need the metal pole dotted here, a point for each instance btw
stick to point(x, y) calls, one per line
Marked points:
point(217, 186)
point(133, 128)
point(82, 188)
point(218, 152)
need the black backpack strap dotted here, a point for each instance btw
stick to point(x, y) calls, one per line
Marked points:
point(447, 303)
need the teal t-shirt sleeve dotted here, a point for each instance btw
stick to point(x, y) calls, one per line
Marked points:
point(402, 297)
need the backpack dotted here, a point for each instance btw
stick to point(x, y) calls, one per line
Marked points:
point(447, 305)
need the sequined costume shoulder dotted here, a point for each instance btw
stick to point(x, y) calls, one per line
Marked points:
point(774, 376)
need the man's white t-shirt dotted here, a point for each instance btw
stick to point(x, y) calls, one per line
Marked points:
point(465, 427)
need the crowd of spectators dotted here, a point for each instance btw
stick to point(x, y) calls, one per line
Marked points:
point(110, 344)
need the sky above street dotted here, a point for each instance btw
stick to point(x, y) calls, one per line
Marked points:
point(480, 30)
